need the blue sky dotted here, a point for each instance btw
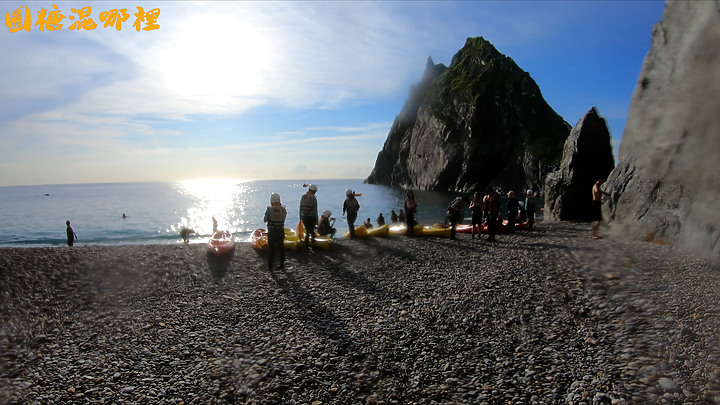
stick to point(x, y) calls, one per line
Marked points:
point(279, 90)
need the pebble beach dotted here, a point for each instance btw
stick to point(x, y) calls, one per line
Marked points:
point(548, 316)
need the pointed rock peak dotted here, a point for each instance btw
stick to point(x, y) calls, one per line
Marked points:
point(430, 64)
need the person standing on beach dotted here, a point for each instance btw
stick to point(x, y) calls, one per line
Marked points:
point(492, 211)
point(454, 213)
point(309, 213)
point(410, 211)
point(476, 208)
point(597, 194)
point(275, 215)
point(351, 206)
point(71, 235)
point(380, 219)
point(513, 207)
point(530, 207)
point(393, 217)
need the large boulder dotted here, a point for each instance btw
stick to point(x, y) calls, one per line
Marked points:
point(667, 183)
point(482, 121)
point(587, 156)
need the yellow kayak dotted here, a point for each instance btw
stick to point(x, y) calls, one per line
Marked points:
point(362, 232)
point(260, 240)
point(419, 230)
point(322, 242)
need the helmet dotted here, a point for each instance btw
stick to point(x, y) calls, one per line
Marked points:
point(327, 213)
point(529, 192)
point(349, 192)
point(312, 187)
point(274, 198)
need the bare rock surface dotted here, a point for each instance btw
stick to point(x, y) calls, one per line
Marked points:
point(548, 316)
point(667, 182)
point(587, 156)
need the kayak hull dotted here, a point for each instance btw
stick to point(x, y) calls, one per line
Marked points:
point(221, 243)
point(362, 232)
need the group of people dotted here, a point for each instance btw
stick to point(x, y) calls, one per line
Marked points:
point(276, 213)
point(485, 209)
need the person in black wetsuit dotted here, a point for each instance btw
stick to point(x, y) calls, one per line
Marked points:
point(71, 235)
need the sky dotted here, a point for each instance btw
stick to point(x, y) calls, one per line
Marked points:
point(278, 89)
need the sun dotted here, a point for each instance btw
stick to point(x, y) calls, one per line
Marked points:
point(217, 53)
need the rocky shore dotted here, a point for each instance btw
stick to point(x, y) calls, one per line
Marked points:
point(548, 316)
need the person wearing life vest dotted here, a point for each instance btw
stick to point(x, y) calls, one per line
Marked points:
point(492, 211)
point(513, 206)
point(530, 207)
point(325, 224)
point(309, 213)
point(454, 213)
point(410, 211)
point(476, 208)
point(275, 215)
point(351, 206)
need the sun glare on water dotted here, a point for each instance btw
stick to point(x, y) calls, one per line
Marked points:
point(222, 199)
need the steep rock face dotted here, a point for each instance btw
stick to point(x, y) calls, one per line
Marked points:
point(667, 183)
point(480, 122)
point(389, 167)
point(587, 156)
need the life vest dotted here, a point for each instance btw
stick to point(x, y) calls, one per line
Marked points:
point(352, 205)
point(476, 206)
point(307, 204)
point(276, 217)
point(495, 203)
point(455, 207)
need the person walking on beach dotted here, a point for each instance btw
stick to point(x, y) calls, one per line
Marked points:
point(492, 211)
point(410, 211)
point(597, 194)
point(351, 206)
point(71, 235)
point(476, 209)
point(530, 207)
point(513, 207)
point(309, 213)
point(454, 214)
point(275, 215)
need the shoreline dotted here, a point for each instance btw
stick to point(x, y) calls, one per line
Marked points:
point(547, 316)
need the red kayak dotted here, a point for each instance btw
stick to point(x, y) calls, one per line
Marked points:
point(258, 240)
point(222, 242)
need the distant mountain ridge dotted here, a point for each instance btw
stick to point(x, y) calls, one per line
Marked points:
point(482, 121)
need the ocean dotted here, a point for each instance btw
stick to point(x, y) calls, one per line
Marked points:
point(34, 216)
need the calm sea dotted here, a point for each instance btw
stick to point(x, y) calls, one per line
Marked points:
point(155, 212)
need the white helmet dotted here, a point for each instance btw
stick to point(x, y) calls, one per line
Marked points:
point(327, 213)
point(529, 192)
point(349, 192)
point(312, 187)
point(274, 198)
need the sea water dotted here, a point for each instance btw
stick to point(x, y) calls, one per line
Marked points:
point(155, 212)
